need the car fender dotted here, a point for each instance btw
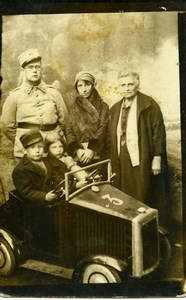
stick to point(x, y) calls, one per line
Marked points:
point(14, 243)
point(117, 264)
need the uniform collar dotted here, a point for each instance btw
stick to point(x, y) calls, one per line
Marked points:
point(29, 88)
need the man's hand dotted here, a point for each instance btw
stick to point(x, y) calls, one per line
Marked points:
point(156, 165)
point(50, 196)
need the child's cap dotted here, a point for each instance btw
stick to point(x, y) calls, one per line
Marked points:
point(30, 138)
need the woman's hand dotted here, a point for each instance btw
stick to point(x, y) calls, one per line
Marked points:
point(156, 165)
point(80, 153)
point(87, 156)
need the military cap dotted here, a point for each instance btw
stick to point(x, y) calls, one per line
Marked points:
point(30, 138)
point(28, 56)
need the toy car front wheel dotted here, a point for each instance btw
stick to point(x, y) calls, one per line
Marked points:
point(7, 258)
point(96, 273)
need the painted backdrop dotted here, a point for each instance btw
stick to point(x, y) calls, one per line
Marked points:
point(103, 43)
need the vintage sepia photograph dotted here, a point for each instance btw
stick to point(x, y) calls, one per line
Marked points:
point(90, 153)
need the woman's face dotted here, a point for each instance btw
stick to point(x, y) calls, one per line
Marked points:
point(85, 88)
point(129, 86)
point(56, 149)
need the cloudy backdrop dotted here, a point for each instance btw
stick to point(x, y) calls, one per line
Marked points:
point(103, 43)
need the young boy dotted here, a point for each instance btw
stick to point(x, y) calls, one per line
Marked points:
point(32, 175)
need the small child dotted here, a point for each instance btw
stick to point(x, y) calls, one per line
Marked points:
point(32, 175)
point(55, 146)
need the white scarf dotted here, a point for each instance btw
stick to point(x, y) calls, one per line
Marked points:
point(132, 134)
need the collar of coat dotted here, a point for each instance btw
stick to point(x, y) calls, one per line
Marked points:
point(28, 88)
point(143, 102)
point(33, 168)
point(55, 162)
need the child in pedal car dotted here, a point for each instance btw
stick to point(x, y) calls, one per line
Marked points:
point(61, 163)
point(32, 175)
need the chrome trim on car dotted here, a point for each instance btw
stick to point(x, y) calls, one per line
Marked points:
point(137, 243)
point(117, 264)
point(106, 161)
point(14, 244)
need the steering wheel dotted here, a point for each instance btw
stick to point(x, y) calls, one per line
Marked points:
point(60, 192)
point(59, 189)
point(91, 176)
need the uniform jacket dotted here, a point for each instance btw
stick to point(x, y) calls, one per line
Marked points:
point(30, 182)
point(151, 132)
point(42, 104)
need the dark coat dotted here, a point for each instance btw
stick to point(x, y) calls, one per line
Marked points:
point(75, 136)
point(30, 182)
point(58, 174)
point(152, 141)
point(58, 170)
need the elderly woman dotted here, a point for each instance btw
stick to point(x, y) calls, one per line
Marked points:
point(86, 132)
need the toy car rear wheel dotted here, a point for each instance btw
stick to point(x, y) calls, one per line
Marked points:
point(7, 258)
point(165, 248)
point(96, 273)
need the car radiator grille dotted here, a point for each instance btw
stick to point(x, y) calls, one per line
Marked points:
point(100, 234)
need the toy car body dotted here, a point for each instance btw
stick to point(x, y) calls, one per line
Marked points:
point(98, 231)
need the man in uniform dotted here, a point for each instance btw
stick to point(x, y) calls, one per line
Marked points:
point(32, 105)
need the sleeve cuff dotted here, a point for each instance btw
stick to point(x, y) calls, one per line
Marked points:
point(94, 145)
point(73, 147)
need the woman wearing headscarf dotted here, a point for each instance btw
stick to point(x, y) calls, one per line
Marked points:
point(86, 132)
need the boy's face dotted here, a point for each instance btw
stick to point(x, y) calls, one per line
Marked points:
point(35, 151)
point(56, 149)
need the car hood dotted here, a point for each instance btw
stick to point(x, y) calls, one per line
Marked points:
point(104, 198)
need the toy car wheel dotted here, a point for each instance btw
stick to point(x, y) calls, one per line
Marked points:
point(7, 258)
point(165, 248)
point(96, 273)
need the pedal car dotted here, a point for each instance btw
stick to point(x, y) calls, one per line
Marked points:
point(99, 232)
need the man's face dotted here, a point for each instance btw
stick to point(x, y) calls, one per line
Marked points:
point(35, 151)
point(33, 72)
point(85, 88)
point(129, 86)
